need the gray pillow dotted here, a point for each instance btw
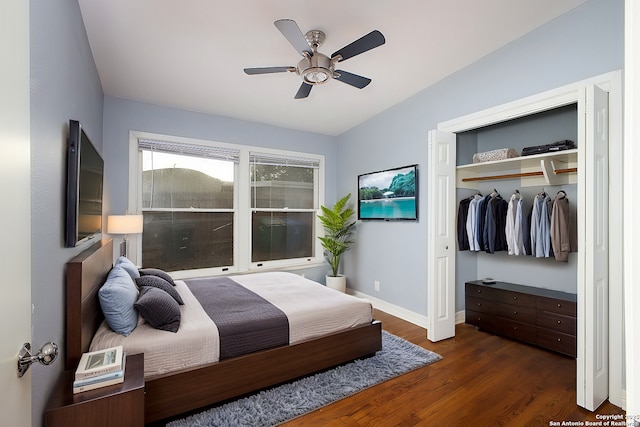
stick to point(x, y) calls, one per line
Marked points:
point(159, 309)
point(160, 283)
point(156, 272)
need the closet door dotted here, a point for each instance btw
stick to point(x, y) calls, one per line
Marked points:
point(593, 274)
point(441, 245)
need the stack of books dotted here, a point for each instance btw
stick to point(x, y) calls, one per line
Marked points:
point(100, 369)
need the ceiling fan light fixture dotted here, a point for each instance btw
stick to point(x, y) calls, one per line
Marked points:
point(316, 76)
point(316, 69)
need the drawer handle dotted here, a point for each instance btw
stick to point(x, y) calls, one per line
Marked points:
point(559, 305)
point(515, 328)
point(559, 322)
point(479, 291)
point(559, 339)
point(515, 312)
point(479, 304)
point(515, 298)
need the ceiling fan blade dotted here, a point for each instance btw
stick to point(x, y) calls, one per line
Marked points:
point(304, 90)
point(292, 33)
point(363, 44)
point(352, 79)
point(267, 70)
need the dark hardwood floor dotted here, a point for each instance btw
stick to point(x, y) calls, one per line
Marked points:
point(482, 380)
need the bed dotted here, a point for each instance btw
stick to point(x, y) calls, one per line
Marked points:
point(168, 394)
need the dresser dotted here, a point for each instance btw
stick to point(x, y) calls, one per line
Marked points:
point(537, 316)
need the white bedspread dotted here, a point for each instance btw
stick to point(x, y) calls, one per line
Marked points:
point(197, 341)
point(313, 310)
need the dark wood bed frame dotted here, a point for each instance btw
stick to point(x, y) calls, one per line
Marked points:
point(189, 389)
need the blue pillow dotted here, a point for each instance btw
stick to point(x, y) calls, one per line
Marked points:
point(129, 266)
point(117, 298)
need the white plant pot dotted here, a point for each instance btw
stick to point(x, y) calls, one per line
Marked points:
point(338, 283)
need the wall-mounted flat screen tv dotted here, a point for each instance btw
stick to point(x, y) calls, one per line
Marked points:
point(389, 195)
point(85, 169)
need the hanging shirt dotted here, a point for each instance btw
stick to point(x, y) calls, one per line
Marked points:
point(472, 216)
point(560, 227)
point(526, 232)
point(494, 230)
point(535, 225)
point(520, 225)
point(543, 237)
point(480, 220)
point(461, 224)
point(510, 227)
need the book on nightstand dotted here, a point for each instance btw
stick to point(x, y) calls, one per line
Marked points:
point(100, 362)
point(92, 383)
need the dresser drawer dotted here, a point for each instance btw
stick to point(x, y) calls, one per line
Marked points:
point(502, 326)
point(518, 330)
point(568, 308)
point(514, 312)
point(482, 320)
point(557, 322)
point(500, 295)
point(557, 341)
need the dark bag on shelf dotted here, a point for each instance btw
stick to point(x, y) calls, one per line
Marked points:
point(565, 144)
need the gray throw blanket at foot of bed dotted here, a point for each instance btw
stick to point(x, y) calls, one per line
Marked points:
point(246, 321)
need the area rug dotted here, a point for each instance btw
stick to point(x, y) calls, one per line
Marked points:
point(285, 402)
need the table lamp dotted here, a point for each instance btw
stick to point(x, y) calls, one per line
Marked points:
point(124, 224)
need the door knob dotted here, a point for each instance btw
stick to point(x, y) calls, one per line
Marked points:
point(47, 355)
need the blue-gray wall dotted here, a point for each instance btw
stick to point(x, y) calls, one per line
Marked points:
point(585, 42)
point(64, 85)
point(122, 116)
point(582, 43)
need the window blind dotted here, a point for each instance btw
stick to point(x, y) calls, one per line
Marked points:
point(210, 152)
point(283, 160)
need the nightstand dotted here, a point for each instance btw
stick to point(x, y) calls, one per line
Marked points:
point(115, 405)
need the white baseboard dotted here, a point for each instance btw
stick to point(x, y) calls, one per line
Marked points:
point(400, 312)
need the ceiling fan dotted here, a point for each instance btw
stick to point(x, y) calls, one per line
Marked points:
point(316, 68)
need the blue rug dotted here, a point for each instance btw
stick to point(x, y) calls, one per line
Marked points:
point(276, 405)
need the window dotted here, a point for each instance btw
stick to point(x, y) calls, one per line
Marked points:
point(228, 208)
point(283, 203)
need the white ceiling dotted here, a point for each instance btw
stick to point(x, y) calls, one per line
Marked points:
point(190, 54)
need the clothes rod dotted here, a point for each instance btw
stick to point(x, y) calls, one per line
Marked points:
point(517, 175)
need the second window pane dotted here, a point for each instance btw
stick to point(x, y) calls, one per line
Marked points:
point(281, 235)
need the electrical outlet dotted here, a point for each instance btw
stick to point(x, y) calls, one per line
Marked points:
point(376, 285)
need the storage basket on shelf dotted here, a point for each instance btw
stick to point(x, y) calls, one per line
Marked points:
point(493, 155)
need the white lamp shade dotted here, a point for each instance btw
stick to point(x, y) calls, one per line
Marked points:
point(124, 224)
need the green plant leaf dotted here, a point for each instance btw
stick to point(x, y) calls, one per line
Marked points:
point(339, 226)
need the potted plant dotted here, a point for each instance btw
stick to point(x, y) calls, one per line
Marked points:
point(338, 224)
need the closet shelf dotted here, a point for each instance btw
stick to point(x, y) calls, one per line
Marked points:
point(518, 175)
point(549, 168)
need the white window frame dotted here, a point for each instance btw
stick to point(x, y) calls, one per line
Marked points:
point(242, 207)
